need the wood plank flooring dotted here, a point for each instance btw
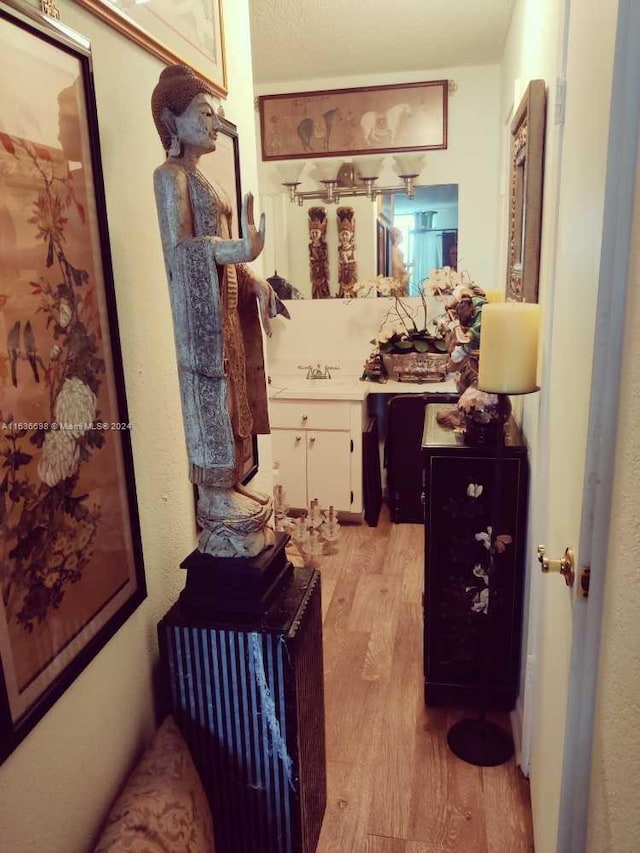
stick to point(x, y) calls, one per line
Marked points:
point(393, 784)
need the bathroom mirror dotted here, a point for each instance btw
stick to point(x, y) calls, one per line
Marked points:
point(419, 232)
point(428, 225)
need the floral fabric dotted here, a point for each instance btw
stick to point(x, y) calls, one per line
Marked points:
point(163, 807)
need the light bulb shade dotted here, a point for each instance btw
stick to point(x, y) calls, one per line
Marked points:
point(509, 348)
point(368, 167)
point(408, 164)
point(290, 172)
point(325, 172)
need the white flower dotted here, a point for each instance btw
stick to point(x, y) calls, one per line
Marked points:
point(75, 407)
point(481, 602)
point(485, 538)
point(66, 313)
point(59, 458)
point(55, 352)
point(474, 490)
point(479, 572)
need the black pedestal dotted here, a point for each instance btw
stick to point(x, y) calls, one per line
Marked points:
point(480, 742)
point(235, 584)
point(247, 693)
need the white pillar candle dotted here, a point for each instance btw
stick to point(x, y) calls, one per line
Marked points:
point(509, 348)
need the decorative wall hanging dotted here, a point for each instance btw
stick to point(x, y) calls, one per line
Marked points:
point(318, 254)
point(70, 549)
point(347, 264)
point(190, 32)
point(405, 117)
point(525, 203)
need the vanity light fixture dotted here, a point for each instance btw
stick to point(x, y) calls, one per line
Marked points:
point(367, 169)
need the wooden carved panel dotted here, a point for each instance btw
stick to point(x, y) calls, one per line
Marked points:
point(318, 253)
point(347, 264)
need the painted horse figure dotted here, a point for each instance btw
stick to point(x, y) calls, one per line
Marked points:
point(380, 128)
point(308, 129)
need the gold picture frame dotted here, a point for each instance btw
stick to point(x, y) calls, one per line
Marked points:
point(194, 36)
point(525, 194)
point(366, 120)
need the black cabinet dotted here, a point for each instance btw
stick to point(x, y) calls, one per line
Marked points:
point(475, 532)
point(402, 450)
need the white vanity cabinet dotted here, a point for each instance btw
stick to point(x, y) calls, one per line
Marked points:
point(317, 445)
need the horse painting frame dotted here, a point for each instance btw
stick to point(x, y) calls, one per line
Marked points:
point(366, 120)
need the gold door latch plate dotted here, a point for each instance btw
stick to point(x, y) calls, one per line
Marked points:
point(584, 577)
point(565, 565)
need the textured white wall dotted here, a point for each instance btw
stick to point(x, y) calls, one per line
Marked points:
point(614, 825)
point(530, 52)
point(57, 786)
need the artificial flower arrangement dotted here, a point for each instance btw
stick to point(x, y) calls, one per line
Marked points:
point(460, 323)
point(381, 285)
point(401, 332)
point(443, 281)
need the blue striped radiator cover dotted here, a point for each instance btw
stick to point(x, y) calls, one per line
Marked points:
point(249, 699)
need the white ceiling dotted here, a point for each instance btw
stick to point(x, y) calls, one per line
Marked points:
point(305, 39)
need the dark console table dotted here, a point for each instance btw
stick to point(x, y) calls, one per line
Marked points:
point(400, 423)
point(247, 692)
point(473, 576)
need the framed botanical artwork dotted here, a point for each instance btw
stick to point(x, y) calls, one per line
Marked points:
point(525, 194)
point(368, 120)
point(71, 568)
point(189, 32)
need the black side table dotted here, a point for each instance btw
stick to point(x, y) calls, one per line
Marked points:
point(473, 581)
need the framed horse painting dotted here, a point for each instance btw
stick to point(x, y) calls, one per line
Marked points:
point(368, 120)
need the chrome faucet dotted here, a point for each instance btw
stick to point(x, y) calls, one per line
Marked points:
point(317, 372)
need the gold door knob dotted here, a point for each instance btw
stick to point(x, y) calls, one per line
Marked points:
point(565, 565)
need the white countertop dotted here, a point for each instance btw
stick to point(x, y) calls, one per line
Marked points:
point(349, 388)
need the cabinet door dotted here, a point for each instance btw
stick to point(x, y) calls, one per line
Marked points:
point(289, 451)
point(474, 574)
point(329, 468)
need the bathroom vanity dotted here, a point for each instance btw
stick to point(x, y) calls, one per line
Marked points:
point(317, 430)
point(316, 438)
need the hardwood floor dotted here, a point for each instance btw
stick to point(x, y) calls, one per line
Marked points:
point(393, 784)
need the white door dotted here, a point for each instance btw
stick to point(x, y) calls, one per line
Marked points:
point(569, 304)
point(289, 451)
point(329, 468)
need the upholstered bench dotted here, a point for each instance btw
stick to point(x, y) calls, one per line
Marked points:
point(162, 807)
